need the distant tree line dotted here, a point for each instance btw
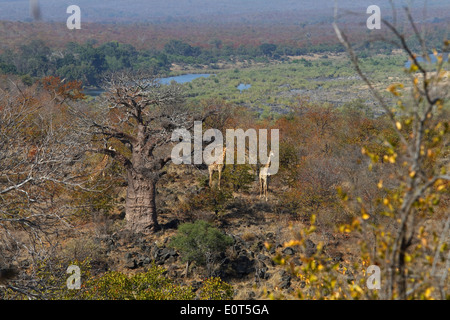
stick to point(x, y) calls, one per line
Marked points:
point(89, 61)
point(86, 62)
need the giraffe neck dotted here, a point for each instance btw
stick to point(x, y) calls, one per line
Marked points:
point(268, 162)
point(223, 155)
point(100, 166)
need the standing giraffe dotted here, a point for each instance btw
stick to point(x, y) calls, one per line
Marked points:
point(101, 166)
point(264, 177)
point(217, 166)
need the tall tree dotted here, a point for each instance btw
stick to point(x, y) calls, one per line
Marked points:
point(135, 127)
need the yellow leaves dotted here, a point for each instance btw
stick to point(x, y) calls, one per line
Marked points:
point(374, 157)
point(398, 125)
point(356, 291)
point(279, 260)
point(343, 195)
point(422, 236)
point(439, 104)
point(333, 283)
point(390, 158)
point(320, 246)
point(424, 242)
point(363, 150)
point(292, 243)
point(365, 263)
point(412, 174)
point(442, 75)
point(313, 278)
point(408, 258)
point(387, 203)
point(428, 292)
point(336, 295)
point(413, 68)
point(380, 184)
point(345, 229)
point(394, 87)
point(438, 56)
point(365, 216)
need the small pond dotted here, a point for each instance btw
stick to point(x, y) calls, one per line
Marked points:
point(243, 87)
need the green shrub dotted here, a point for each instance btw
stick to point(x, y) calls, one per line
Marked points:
point(200, 242)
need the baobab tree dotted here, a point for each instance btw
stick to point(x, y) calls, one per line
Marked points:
point(134, 126)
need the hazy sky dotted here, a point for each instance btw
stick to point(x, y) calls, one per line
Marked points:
point(153, 10)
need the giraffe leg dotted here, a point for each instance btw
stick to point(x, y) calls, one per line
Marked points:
point(264, 188)
point(210, 178)
point(260, 187)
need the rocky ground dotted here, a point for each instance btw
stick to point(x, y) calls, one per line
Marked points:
point(259, 230)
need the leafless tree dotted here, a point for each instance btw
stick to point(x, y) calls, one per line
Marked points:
point(422, 112)
point(39, 157)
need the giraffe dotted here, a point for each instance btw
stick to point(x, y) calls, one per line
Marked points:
point(217, 166)
point(99, 168)
point(264, 177)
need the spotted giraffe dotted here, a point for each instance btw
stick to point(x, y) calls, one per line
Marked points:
point(264, 178)
point(217, 166)
point(99, 168)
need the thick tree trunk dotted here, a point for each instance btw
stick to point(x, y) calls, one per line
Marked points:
point(140, 210)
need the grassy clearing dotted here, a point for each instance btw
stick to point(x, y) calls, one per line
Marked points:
point(276, 86)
